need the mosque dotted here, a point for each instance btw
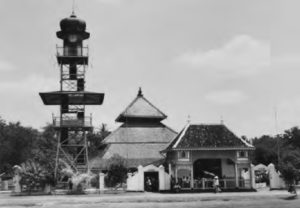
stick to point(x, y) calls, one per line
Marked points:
point(191, 158)
point(151, 149)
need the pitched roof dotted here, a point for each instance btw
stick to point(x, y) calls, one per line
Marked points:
point(139, 144)
point(137, 133)
point(140, 107)
point(207, 137)
point(135, 154)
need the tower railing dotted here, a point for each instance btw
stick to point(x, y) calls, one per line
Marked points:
point(72, 122)
point(80, 51)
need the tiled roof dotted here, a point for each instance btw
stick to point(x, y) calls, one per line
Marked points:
point(139, 144)
point(207, 137)
point(129, 133)
point(135, 154)
point(140, 107)
point(140, 138)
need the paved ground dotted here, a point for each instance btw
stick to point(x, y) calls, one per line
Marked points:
point(273, 199)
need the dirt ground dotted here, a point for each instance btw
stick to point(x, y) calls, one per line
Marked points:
point(273, 199)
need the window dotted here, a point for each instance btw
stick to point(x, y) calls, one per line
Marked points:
point(242, 154)
point(183, 155)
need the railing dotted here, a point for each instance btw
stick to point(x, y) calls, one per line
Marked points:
point(6, 185)
point(224, 183)
point(72, 122)
point(72, 51)
point(67, 76)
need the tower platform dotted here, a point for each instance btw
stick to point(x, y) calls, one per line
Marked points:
point(72, 98)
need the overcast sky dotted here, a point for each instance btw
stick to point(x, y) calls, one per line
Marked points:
point(233, 59)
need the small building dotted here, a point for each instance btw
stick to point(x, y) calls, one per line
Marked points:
point(140, 138)
point(201, 152)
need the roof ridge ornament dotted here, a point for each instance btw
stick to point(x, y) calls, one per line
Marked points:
point(140, 93)
point(73, 9)
point(188, 119)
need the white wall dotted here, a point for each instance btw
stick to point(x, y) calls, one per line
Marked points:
point(228, 169)
point(276, 182)
point(135, 181)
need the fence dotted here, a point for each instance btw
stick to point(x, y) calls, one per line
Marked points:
point(224, 183)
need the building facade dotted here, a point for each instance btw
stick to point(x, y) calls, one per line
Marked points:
point(201, 152)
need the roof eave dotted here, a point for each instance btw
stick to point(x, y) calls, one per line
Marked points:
point(209, 148)
point(122, 118)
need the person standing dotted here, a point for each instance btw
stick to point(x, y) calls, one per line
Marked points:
point(217, 184)
point(70, 184)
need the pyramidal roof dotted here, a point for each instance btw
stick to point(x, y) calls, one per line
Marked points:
point(207, 137)
point(140, 108)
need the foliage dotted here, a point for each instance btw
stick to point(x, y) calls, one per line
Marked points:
point(95, 181)
point(34, 176)
point(44, 150)
point(288, 147)
point(16, 144)
point(290, 156)
point(117, 171)
point(96, 140)
point(19, 144)
point(77, 179)
point(265, 150)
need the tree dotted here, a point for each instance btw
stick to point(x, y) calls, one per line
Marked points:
point(290, 166)
point(117, 171)
point(44, 150)
point(292, 137)
point(96, 140)
point(265, 150)
point(290, 156)
point(16, 144)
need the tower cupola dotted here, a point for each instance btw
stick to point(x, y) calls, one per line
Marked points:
point(72, 27)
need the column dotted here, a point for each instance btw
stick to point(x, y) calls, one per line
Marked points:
point(141, 178)
point(161, 178)
point(176, 174)
point(101, 181)
point(250, 176)
point(236, 175)
point(192, 176)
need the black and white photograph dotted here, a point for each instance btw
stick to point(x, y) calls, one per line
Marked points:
point(149, 103)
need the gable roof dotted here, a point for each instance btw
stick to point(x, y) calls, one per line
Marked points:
point(207, 137)
point(141, 108)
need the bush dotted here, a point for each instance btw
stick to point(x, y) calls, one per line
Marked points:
point(117, 171)
point(34, 176)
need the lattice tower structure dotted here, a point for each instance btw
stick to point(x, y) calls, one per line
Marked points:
point(72, 124)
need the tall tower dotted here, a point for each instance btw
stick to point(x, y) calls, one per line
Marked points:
point(72, 124)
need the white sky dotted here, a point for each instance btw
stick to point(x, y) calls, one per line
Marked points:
point(235, 59)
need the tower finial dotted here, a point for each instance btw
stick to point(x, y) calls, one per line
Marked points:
point(73, 8)
point(140, 93)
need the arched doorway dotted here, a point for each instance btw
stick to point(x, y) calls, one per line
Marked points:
point(207, 168)
point(151, 181)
